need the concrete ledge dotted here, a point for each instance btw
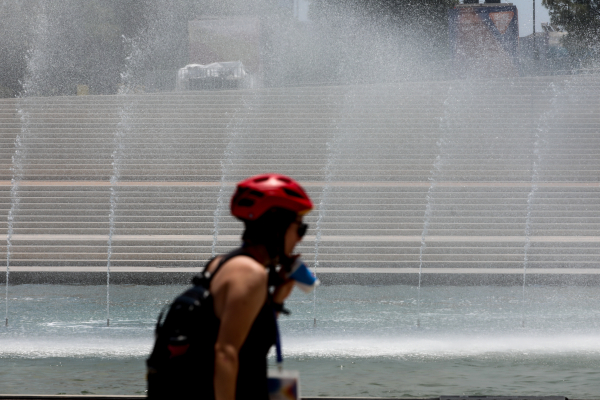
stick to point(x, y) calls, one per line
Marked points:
point(309, 238)
point(125, 397)
point(411, 279)
point(360, 184)
point(131, 397)
point(67, 397)
point(325, 270)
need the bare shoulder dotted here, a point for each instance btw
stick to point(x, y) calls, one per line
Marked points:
point(242, 269)
point(241, 283)
point(247, 263)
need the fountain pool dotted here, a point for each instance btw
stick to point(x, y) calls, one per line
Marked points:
point(366, 343)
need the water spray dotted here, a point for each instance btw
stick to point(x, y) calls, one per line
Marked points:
point(426, 221)
point(535, 166)
point(35, 61)
point(14, 205)
point(235, 126)
point(332, 148)
point(117, 156)
point(7, 276)
point(530, 198)
point(111, 223)
point(218, 212)
point(317, 242)
point(8, 246)
point(436, 168)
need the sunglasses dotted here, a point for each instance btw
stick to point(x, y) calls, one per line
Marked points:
point(302, 228)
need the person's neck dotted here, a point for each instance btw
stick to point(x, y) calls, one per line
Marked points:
point(259, 253)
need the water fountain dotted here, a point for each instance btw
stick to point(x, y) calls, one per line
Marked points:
point(468, 206)
point(429, 198)
point(233, 152)
point(19, 157)
point(538, 129)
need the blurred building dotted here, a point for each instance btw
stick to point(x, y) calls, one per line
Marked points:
point(544, 52)
point(484, 39)
point(275, 49)
point(227, 39)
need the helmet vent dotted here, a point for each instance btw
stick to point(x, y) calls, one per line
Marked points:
point(261, 179)
point(292, 193)
point(246, 203)
point(256, 193)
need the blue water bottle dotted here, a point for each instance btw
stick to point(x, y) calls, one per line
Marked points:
point(304, 277)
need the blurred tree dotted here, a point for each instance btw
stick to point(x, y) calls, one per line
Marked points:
point(581, 19)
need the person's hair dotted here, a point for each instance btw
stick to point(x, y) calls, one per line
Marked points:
point(269, 230)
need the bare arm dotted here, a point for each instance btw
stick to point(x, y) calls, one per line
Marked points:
point(242, 294)
point(283, 291)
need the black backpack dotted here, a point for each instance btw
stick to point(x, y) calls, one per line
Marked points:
point(183, 354)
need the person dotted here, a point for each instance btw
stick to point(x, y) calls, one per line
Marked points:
point(249, 287)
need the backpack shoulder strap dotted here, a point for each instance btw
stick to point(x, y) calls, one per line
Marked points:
point(237, 252)
point(205, 276)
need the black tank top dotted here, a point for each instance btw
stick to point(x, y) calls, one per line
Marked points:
point(252, 373)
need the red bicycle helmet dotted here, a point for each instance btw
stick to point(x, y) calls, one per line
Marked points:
point(256, 195)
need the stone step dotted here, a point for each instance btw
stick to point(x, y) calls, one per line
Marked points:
point(502, 107)
point(517, 114)
point(480, 135)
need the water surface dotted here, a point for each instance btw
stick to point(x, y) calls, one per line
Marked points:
point(366, 343)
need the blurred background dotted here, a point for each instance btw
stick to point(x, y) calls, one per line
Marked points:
point(282, 42)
